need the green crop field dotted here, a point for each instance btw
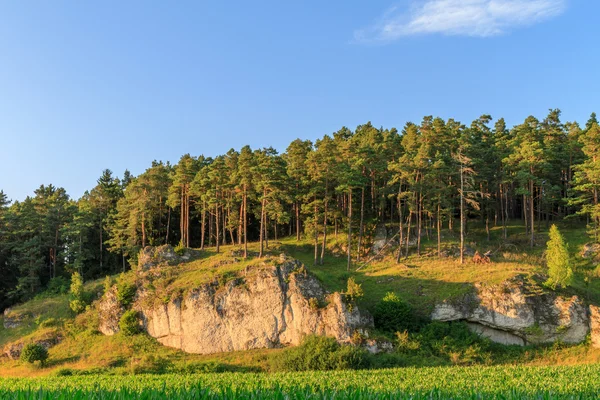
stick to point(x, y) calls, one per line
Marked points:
point(577, 382)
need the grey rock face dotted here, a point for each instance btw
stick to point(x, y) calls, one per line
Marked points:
point(595, 326)
point(515, 312)
point(271, 306)
point(109, 312)
point(12, 320)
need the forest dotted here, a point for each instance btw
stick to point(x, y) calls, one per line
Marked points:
point(419, 181)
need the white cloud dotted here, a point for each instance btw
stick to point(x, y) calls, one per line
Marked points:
point(480, 18)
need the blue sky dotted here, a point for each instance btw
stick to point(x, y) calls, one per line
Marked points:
point(87, 86)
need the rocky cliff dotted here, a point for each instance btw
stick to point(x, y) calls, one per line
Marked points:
point(519, 312)
point(266, 306)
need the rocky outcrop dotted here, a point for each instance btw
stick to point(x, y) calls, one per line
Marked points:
point(595, 326)
point(48, 340)
point(109, 312)
point(12, 320)
point(271, 306)
point(151, 257)
point(519, 312)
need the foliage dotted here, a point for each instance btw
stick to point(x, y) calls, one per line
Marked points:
point(33, 352)
point(77, 302)
point(320, 353)
point(180, 248)
point(391, 314)
point(557, 259)
point(107, 284)
point(129, 324)
point(125, 290)
point(354, 291)
point(58, 285)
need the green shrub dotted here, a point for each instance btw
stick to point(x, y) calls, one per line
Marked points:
point(58, 285)
point(180, 248)
point(48, 323)
point(125, 291)
point(33, 352)
point(77, 302)
point(320, 353)
point(65, 372)
point(557, 258)
point(108, 283)
point(128, 324)
point(392, 315)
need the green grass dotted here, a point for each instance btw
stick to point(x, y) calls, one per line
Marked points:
point(579, 382)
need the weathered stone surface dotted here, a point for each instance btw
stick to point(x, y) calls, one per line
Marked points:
point(109, 312)
point(374, 346)
point(12, 320)
point(590, 250)
point(268, 308)
point(595, 326)
point(522, 310)
point(496, 335)
point(151, 257)
point(13, 350)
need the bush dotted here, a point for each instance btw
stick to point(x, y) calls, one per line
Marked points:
point(77, 302)
point(392, 315)
point(125, 291)
point(58, 285)
point(180, 248)
point(108, 282)
point(49, 323)
point(33, 352)
point(320, 353)
point(128, 324)
point(557, 259)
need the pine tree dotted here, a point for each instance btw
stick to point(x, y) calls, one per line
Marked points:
point(557, 259)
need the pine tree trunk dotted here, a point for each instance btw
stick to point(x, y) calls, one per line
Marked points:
point(361, 227)
point(262, 225)
point(532, 212)
point(324, 225)
point(400, 228)
point(217, 225)
point(203, 227)
point(439, 230)
point(349, 229)
point(316, 228)
point(245, 223)
point(462, 214)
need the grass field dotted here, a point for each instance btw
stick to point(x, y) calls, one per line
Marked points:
point(579, 382)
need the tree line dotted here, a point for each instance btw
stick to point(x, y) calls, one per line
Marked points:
point(428, 177)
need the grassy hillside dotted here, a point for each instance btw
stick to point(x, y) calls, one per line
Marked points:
point(420, 281)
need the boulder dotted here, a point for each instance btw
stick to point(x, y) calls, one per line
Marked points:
point(518, 312)
point(109, 312)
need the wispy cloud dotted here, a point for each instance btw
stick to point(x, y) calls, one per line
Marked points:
point(480, 18)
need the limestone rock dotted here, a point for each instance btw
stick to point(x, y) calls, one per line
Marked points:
point(12, 320)
point(13, 350)
point(374, 346)
point(270, 307)
point(109, 312)
point(590, 250)
point(151, 257)
point(595, 326)
point(518, 312)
